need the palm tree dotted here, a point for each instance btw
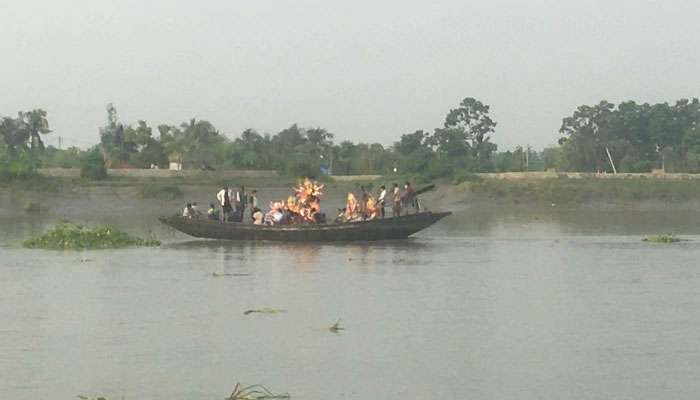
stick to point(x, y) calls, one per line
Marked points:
point(36, 124)
point(24, 132)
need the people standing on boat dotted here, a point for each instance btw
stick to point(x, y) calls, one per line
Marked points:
point(257, 216)
point(396, 196)
point(409, 198)
point(238, 203)
point(253, 201)
point(381, 200)
point(364, 196)
point(241, 203)
point(212, 213)
point(224, 197)
point(188, 212)
point(195, 209)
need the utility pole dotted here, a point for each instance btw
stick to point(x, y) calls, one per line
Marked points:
point(527, 158)
point(611, 160)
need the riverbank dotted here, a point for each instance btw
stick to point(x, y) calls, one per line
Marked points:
point(479, 191)
point(566, 192)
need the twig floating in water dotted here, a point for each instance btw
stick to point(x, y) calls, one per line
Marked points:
point(255, 392)
point(217, 274)
point(265, 311)
point(336, 328)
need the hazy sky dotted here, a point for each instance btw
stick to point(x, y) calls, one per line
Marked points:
point(365, 70)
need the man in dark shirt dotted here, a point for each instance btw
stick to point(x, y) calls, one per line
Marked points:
point(409, 197)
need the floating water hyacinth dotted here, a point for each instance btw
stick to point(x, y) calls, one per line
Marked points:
point(670, 238)
point(69, 236)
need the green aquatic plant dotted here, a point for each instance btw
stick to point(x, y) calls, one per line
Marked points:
point(69, 236)
point(32, 207)
point(669, 238)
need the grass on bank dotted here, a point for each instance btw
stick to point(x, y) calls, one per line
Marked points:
point(561, 190)
point(161, 191)
point(577, 191)
point(69, 236)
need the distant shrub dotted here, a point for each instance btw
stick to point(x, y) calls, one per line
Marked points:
point(32, 207)
point(16, 168)
point(92, 166)
point(299, 168)
point(439, 168)
point(160, 191)
point(465, 176)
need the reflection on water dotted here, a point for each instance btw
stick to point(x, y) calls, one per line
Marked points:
point(486, 304)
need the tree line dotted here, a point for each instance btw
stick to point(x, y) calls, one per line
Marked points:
point(628, 137)
point(632, 137)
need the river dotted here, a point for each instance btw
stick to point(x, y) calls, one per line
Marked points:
point(487, 304)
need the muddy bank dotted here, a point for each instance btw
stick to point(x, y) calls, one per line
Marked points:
point(150, 198)
point(638, 194)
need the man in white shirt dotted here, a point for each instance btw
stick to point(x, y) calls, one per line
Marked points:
point(188, 212)
point(224, 197)
point(396, 194)
point(381, 200)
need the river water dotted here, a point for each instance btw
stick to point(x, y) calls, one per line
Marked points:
point(488, 304)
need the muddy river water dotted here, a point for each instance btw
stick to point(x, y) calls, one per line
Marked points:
point(488, 304)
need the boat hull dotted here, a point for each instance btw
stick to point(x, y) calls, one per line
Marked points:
point(381, 229)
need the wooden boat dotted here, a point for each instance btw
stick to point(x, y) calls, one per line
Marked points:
point(379, 229)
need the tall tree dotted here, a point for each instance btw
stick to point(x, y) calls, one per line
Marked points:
point(36, 125)
point(116, 148)
point(24, 132)
point(465, 136)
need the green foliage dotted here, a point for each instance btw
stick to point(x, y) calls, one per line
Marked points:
point(552, 158)
point(302, 167)
point(21, 144)
point(197, 142)
point(32, 207)
point(68, 236)
point(24, 132)
point(113, 141)
point(639, 137)
point(92, 165)
point(465, 133)
point(461, 146)
point(161, 191)
point(669, 238)
point(465, 176)
point(564, 191)
point(19, 166)
point(61, 158)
